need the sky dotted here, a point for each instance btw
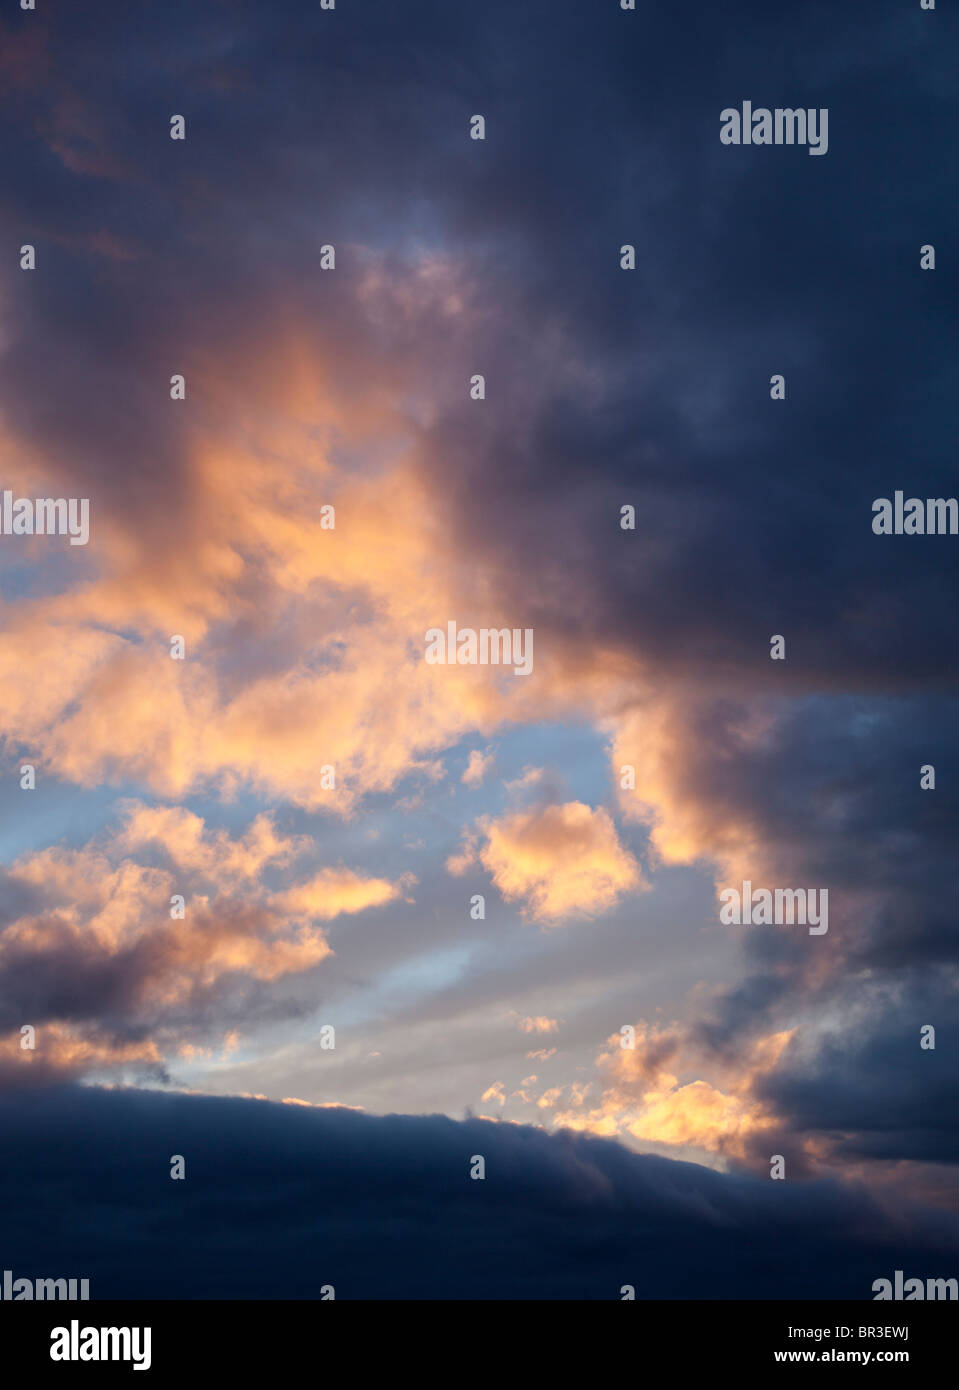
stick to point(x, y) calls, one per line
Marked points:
point(496, 894)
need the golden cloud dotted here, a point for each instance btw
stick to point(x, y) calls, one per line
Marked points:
point(560, 861)
point(642, 1094)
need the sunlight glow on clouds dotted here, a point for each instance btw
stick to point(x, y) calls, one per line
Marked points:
point(559, 861)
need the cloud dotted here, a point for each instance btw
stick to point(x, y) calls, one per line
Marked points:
point(561, 861)
point(61, 1052)
point(478, 766)
point(335, 891)
point(304, 645)
point(91, 956)
point(344, 688)
point(672, 1230)
point(211, 855)
point(549, 1098)
point(539, 1024)
point(652, 1092)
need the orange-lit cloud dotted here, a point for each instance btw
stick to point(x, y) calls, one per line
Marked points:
point(58, 1047)
point(109, 925)
point(214, 856)
point(334, 891)
point(643, 1095)
point(477, 767)
point(658, 744)
point(559, 861)
point(237, 548)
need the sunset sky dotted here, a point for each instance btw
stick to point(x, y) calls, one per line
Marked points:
point(309, 905)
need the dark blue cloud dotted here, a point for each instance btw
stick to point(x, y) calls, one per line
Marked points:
point(279, 1200)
